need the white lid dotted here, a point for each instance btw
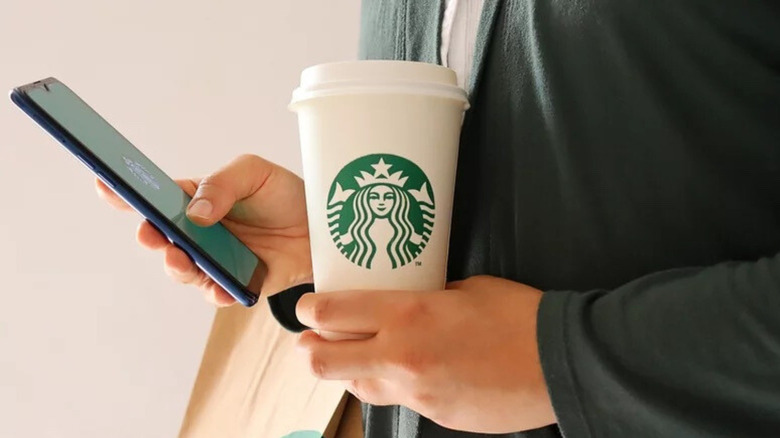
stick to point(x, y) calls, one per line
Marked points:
point(383, 77)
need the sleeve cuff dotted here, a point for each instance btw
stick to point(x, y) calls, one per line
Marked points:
point(552, 340)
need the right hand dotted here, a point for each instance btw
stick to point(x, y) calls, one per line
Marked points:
point(261, 203)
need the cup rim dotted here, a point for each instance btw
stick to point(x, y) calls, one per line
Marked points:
point(442, 86)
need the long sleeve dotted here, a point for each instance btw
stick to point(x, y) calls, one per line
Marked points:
point(689, 352)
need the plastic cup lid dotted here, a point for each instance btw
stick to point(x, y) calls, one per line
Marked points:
point(378, 77)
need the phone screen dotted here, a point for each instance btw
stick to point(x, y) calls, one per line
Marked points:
point(141, 174)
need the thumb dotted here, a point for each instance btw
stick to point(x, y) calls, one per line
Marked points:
point(218, 192)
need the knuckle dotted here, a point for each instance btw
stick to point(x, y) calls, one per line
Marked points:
point(221, 298)
point(430, 406)
point(252, 159)
point(358, 389)
point(181, 277)
point(413, 362)
point(210, 182)
point(321, 310)
point(257, 164)
point(189, 277)
point(424, 400)
point(211, 296)
point(302, 343)
point(369, 391)
point(435, 408)
point(413, 312)
point(479, 281)
point(316, 364)
point(203, 282)
point(171, 272)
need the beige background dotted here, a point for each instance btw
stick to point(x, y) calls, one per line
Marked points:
point(95, 341)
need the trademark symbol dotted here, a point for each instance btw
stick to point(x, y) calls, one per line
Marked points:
point(417, 263)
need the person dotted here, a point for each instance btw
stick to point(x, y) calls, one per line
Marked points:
point(615, 236)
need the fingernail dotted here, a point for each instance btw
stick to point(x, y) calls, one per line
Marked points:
point(201, 208)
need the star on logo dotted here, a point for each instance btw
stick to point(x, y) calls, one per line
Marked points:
point(381, 175)
point(381, 168)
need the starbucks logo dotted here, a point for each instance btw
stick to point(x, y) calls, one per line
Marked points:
point(381, 211)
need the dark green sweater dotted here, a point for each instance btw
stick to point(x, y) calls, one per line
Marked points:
point(623, 156)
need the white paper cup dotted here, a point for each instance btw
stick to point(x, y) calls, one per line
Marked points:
point(379, 142)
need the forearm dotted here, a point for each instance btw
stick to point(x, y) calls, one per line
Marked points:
point(687, 352)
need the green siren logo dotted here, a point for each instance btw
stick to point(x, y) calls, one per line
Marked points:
point(381, 211)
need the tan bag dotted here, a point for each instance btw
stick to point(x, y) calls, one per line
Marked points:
point(252, 383)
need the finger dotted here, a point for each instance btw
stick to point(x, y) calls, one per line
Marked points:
point(189, 185)
point(218, 192)
point(179, 267)
point(108, 195)
point(218, 296)
point(149, 237)
point(359, 312)
point(373, 391)
point(340, 360)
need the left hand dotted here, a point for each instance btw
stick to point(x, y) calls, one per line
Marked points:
point(465, 357)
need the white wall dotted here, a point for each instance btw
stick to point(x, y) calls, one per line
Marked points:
point(95, 341)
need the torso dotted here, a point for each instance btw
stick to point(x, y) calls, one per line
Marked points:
point(606, 140)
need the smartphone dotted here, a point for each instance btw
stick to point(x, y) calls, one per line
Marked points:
point(135, 178)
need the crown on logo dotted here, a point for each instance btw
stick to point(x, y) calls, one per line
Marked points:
point(381, 176)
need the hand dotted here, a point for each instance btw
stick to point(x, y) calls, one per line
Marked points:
point(466, 357)
point(261, 203)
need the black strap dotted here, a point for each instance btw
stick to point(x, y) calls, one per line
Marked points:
point(283, 306)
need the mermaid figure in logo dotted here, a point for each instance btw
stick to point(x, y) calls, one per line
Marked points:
point(381, 202)
point(380, 223)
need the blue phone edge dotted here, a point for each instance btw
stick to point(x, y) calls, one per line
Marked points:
point(211, 268)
